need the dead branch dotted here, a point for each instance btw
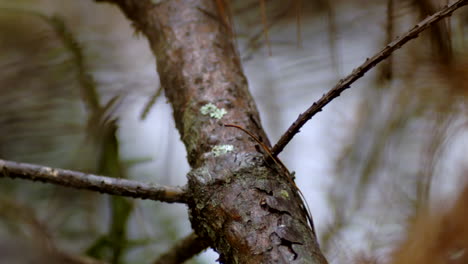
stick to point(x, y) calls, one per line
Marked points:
point(102, 184)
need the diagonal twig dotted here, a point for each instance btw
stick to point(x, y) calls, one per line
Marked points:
point(345, 83)
point(183, 250)
point(151, 103)
point(102, 184)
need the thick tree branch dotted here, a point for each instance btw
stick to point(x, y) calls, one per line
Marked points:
point(243, 206)
point(183, 250)
point(92, 182)
point(345, 83)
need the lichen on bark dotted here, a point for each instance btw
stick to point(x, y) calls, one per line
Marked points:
point(238, 199)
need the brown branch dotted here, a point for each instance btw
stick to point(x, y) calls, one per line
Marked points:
point(183, 250)
point(345, 83)
point(102, 184)
point(246, 209)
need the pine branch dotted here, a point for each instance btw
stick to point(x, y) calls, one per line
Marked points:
point(183, 250)
point(102, 184)
point(245, 208)
point(345, 83)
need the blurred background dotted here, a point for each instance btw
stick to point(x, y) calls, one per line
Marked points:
point(79, 90)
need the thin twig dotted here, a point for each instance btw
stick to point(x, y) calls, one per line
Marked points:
point(345, 83)
point(183, 250)
point(102, 184)
point(387, 69)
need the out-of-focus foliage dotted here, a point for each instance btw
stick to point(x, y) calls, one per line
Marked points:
point(408, 133)
point(380, 155)
point(41, 109)
point(437, 237)
point(56, 113)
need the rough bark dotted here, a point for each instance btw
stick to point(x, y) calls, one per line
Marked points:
point(245, 207)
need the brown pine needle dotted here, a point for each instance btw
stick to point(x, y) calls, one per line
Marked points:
point(265, 25)
point(280, 164)
point(298, 23)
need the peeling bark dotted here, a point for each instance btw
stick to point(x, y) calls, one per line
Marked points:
point(245, 207)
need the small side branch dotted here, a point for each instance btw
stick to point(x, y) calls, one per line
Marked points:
point(102, 184)
point(183, 250)
point(345, 83)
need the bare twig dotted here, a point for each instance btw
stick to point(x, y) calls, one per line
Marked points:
point(345, 83)
point(183, 250)
point(387, 69)
point(102, 184)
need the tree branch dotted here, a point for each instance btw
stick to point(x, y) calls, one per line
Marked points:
point(92, 182)
point(243, 206)
point(183, 250)
point(345, 83)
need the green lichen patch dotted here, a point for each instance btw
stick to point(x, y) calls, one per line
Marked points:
point(284, 193)
point(222, 149)
point(213, 111)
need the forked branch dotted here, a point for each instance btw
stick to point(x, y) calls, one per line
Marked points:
point(102, 184)
point(370, 63)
